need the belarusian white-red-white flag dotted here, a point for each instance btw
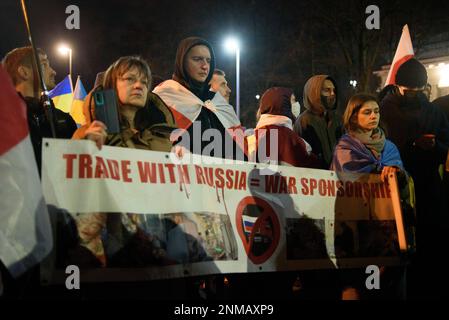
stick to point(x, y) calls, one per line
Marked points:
point(404, 52)
point(25, 233)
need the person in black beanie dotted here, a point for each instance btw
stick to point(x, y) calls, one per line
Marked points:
point(421, 132)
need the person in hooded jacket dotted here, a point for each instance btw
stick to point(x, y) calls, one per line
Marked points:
point(420, 130)
point(276, 114)
point(189, 97)
point(319, 124)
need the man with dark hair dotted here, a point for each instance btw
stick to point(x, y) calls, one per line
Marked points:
point(421, 132)
point(219, 84)
point(20, 66)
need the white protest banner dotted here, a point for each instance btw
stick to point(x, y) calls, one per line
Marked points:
point(138, 209)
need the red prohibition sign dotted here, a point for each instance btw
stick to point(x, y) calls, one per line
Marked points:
point(258, 227)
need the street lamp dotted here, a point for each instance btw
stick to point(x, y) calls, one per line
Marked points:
point(64, 50)
point(232, 45)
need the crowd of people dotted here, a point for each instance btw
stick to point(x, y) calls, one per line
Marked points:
point(400, 132)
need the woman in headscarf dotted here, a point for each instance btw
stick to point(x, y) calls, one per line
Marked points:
point(276, 114)
point(189, 97)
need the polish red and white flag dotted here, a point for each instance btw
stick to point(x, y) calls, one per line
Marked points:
point(25, 232)
point(404, 52)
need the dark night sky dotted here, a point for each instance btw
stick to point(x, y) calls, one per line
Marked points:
point(268, 30)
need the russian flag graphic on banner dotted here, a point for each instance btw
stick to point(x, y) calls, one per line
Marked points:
point(248, 223)
point(25, 233)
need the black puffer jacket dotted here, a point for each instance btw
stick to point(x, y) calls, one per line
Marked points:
point(40, 128)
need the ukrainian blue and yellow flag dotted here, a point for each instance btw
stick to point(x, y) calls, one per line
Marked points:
point(62, 94)
point(77, 105)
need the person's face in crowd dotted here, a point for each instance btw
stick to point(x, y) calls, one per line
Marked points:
point(47, 72)
point(328, 95)
point(132, 88)
point(368, 116)
point(219, 84)
point(198, 63)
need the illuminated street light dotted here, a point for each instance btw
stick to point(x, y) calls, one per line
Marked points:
point(232, 45)
point(64, 50)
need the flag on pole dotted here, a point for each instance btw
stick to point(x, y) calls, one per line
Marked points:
point(77, 105)
point(62, 94)
point(404, 52)
point(25, 233)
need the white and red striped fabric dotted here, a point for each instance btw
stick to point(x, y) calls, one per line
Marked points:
point(403, 53)
point(25, 233)
point(186, 107)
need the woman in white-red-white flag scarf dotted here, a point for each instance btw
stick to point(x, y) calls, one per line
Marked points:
point(190, 99)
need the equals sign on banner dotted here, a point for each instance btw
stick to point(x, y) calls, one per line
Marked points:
point(255, 182)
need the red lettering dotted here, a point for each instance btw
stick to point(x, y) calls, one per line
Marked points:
point(322, 187)
point(331, 188)
point(313, 185)
point(341, 189)
point(283, 185)
point(209, 173)
point(292, 185)
point(349, 189)
point(357, 189)
point(183, 174)
point(305, 187)
point(171, 172)
point(113, 169)
point(199, 175)
point(220, 181)
point(229, 174)
point(366, 190)
point(160, 166)
point(85, 166)
point(271, 183)
point(126, 170)
point(236, 180)
point(69, 165)
point(242, 184)
point(147, 172)
point(100, 168)
point(375, 190)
